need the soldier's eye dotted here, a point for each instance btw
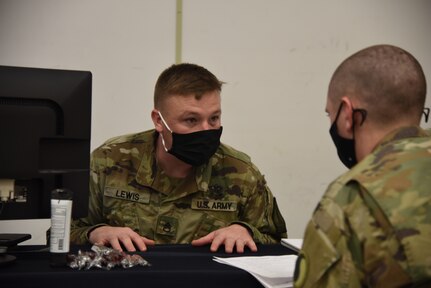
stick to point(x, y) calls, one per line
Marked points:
point(190, 120)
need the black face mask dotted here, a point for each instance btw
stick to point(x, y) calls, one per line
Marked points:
point(194, 148)
point(345, 147)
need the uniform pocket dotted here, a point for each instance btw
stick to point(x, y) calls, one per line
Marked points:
point(208, 224)
point(120, 213)
point(318, 255)
point(418, 253)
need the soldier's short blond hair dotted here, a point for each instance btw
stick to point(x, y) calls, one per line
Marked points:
point(387, 80)
point(183, 80)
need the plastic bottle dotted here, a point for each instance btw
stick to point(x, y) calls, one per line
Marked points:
point(61, 216)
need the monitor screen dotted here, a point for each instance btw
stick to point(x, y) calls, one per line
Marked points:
point(45, 127)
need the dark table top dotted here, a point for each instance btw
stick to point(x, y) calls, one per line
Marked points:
point(171, 266)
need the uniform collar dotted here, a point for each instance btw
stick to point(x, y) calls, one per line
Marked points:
point(402, 133)
point(364, 164)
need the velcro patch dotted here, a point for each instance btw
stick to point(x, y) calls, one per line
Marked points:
point(141, 197)
point(167, 226)
point(214, 205)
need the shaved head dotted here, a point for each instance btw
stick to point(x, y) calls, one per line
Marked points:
point(387, 81)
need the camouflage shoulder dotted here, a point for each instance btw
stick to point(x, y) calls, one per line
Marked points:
point(229, 151)
point(130, 138)
point(129, 143)
point(341, 182)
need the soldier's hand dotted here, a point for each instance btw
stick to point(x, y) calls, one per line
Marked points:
point(231, 236)
point(119, 236)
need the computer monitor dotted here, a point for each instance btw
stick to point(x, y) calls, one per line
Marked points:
point(45, 128)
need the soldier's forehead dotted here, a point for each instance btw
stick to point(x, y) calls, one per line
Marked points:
point(187, 107)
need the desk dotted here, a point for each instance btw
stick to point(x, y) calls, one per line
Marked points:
point(171, 266)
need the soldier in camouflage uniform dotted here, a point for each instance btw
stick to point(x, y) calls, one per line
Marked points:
point(177, 183)
point(372, 228)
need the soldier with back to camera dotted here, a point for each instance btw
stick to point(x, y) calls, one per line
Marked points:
point(372, 227)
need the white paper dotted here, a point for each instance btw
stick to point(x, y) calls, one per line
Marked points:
point(294, 244)
point(271, 271)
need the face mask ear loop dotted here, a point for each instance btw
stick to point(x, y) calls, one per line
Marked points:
point(426, 113)
point(164, 122)
point(166, 125)
point(363, 113)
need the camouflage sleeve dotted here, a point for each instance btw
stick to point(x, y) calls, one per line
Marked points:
point(326, 259)
point(261, 215)
point(81, 227)
point(346, 245)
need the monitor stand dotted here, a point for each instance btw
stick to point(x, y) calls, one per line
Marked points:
point(10, 240)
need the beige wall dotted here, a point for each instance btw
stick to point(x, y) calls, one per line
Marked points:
point(276, 56)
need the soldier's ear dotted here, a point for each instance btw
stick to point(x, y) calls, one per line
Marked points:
point(157, 120)
point(345, 121)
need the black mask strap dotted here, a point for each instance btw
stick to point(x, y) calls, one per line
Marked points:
point(426, 113)
point(346, 147)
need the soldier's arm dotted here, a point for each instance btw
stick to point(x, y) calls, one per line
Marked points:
point(261, 215)
point(329, 249)
point(80, 228)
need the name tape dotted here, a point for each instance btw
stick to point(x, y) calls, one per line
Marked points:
point(203, 204)
point(134, 196)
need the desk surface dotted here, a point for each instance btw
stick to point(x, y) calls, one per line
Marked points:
point(171, 266)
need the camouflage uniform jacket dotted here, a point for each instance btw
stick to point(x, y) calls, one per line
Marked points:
point(372, 228)
point(127, 189)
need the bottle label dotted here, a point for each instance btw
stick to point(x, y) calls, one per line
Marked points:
point(61, 214)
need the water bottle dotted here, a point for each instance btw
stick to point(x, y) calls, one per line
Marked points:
point(61, 217)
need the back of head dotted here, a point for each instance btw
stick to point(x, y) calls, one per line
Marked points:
point(184, 79)
point(387, 81)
